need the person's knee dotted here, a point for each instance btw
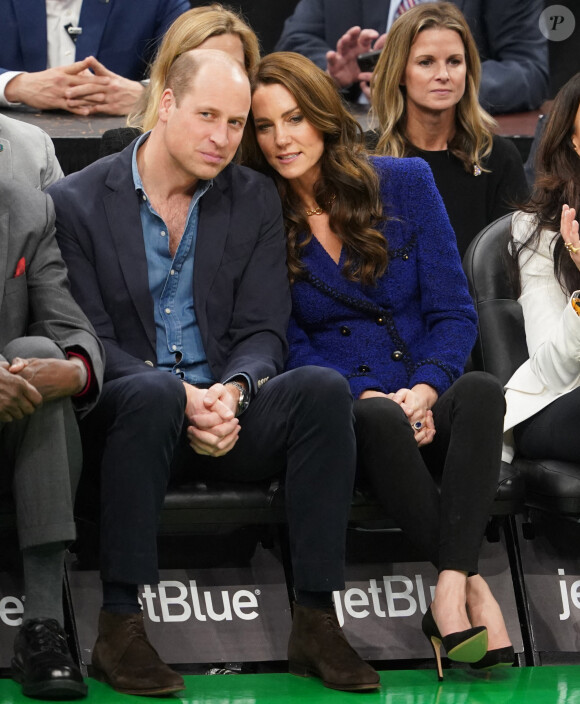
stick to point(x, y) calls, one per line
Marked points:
point(163, 392)
point(479, 383)
point(481, 388)
point(160, 394)
point(377, 414)
point(322, 385)
point(33, 346)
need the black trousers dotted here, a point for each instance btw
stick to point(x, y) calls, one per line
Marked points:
point(440, 495)
point(552, 432)
point(300, 422)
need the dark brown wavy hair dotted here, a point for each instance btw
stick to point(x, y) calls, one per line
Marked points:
point(346, 173)
point(557, 182)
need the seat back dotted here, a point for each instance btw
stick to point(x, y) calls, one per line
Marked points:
point(501, 344)
point(501, 348)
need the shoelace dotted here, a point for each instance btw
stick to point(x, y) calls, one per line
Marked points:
point(47, 636)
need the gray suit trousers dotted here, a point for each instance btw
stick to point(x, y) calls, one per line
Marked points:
point(41, 454)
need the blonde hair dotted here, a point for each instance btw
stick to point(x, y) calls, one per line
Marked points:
point(188, 32)
point(472, 141)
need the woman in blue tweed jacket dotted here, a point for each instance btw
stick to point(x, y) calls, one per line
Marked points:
point(379, 295)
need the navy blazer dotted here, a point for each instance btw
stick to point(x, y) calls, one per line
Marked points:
point(417, 325)
point(122, 34)
point(513, 51)
point(240, 282)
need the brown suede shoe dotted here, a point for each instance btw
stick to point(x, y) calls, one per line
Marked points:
point(317, 646)
point(124, 658)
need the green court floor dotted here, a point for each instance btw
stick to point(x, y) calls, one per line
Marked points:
point(528, 685)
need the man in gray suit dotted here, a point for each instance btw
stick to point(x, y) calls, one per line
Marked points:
point(51, 363)
point(27, 153)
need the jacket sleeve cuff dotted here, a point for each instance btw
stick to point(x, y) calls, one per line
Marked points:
point(438, 375)
point(90, 373)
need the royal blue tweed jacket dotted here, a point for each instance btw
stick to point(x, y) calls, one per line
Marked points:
point(417, 325)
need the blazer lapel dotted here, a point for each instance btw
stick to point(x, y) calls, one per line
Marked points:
point(94, 15)
point(4, 234)
point(31, 18)
point(122, 210)
point(212, 234)
point(6, 166)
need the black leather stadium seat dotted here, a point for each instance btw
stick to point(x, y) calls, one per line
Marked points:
point(501, 348)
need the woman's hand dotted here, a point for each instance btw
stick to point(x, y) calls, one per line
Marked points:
point(416, 403)
point(569, 232)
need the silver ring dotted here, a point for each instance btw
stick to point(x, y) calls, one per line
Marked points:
point(417, 425)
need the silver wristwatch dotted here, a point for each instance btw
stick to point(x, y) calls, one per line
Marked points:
point(244, 397)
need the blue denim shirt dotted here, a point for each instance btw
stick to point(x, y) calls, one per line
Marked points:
point(179, 345)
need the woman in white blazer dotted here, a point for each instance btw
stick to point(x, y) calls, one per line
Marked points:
point(543, 396)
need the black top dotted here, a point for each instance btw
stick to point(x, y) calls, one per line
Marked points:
point(473, 202)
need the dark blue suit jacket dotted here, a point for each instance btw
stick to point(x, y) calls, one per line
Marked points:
point(121, 34)
point(513, 51)
point(240, 282)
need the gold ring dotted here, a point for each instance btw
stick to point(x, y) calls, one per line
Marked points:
point(570, 248)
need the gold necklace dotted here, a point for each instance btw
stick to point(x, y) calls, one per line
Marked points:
point(318, 210)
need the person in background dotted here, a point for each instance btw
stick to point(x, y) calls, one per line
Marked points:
point(378, 294)
point(207, 27)
point(511, 46)
point(543, 395)
point(51, 364)
point(27, 154)
point(177, 256)
point(424, 99)
point(84, 56)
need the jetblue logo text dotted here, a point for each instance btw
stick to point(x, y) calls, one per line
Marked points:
point(394, 596)
point(174, 602)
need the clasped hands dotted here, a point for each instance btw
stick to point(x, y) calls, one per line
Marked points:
point(84, 88)
point(26, 383)
point(342, 64)
point(211, 413)
point(416, 403)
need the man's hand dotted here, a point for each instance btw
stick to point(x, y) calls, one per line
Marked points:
point(52, 378)
point(115, 96)
point(46, 89)
point(365, 77)
point(213, 428)
point(341, 64)
point(18, 398)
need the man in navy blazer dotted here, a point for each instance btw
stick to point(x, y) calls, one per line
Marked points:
point(513, 52)
point(178, 259)
point(112, 42)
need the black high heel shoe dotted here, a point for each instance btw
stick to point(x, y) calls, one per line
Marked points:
point(498, 657)
point(463, 646)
